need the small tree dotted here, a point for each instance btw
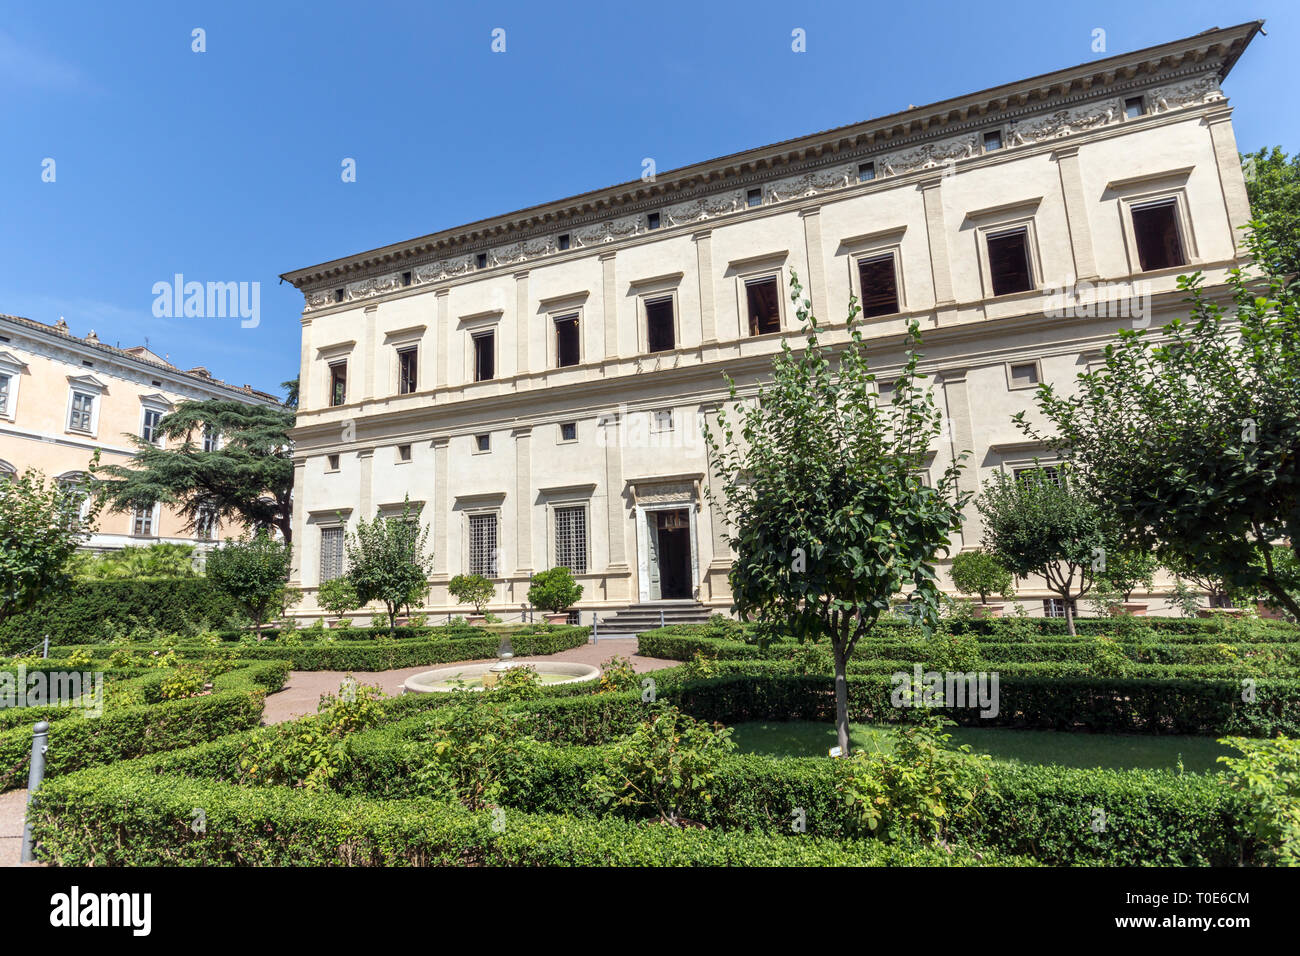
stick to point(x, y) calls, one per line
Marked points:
point(472, 589)
point(338, 596)
point(978, 572)
point(254, 571)
point(1040, 524)
point(41, 527)
point(389, 561)
point(823, 485)
point(1126, 569)
point(554, 590)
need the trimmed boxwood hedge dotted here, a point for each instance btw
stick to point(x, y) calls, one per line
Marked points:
point(171, 605)
point(370, 655)
point(131, 815)
point(235, 704)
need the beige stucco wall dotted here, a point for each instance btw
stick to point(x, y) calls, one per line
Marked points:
point(1071, 189)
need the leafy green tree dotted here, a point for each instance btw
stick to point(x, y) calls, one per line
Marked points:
point(1273, 185)
point(979, 572)
point(822, 484)
point(1189, 433)
point(254, 571)
point(1043, 524)
point(554, 590)
point(41, 526)
point(1126, 569)
point(338, 596)
point(389, 561)
point(247, 479)
point(472, 589)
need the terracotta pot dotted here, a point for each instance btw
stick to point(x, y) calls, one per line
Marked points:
point(401, 621)
point(1133, 609)
point(561, 618)
point(477, 619)
point(987, 610)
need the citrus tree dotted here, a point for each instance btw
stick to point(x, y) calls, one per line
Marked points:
point(822, 484)
point(254, 571)
point(389, 561)
point(979, 572)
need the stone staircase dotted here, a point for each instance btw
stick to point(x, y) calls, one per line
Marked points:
point(631, 621)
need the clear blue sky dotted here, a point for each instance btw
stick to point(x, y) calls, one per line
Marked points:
point(224, 166)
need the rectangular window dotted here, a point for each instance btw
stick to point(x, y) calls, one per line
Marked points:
point(338, 295)
point(406, 278)
point(879, 280)
point(1133, 107)
point(332, 463)
point(211, 440)
point(563, 241)
point(1055, 607)
point(1023, 376)
point(754, 197)
point(568, 431)
point(567, 351)
point(571, 539)
point(485, 356)
point(480, 260)
point(885, 393)
point(652, 220)
point(482, 442)
point(4, 394)
point(331, 554)
point(339, 383)
point(82, 413)
point(205, 525)
point(866, 172)
point(483, 545)
point(149, 431)
point(403, 452)
point(662, 420)
point(992, 140)
point(764, 301)
point(407, 376)
point(1155, 229)
point(1009, 268)
point(1048, 474)
point(142, 522)
point(660, 335)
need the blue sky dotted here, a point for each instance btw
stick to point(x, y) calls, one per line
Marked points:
point(225, 165)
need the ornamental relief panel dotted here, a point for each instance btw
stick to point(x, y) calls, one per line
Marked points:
point(944, 152)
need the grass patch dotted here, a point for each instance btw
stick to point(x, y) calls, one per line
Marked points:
point(800, 738)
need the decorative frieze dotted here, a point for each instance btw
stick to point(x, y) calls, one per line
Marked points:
point(1050, 126)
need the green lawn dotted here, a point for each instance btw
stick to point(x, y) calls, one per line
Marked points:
point(1112, 751)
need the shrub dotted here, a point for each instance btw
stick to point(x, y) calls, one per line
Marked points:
point(338, 596)
point(474, 749)
point(979, 572)
point(517, 683)
point(472, 589)
point(923, 786)
point(617, 674)
point(668, 760)
point(254, 572)
point(1267, 775)
point(554, 590)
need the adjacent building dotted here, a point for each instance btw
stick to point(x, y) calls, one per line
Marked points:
point(534, 384)
point(62, 397)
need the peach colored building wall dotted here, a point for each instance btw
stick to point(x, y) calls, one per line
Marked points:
point(43, 367)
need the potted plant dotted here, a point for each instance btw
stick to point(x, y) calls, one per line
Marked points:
point(554, 591)
point(473, 589)
point(978, 572)
point(337, 596)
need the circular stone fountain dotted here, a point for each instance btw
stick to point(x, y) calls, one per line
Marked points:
point(481, 676)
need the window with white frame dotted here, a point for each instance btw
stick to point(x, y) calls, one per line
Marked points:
point(205, 524)
point(4, 394)
point(1048, 474)
point(81, 414)
point(142, 522)
point(407, 370)
point(1157, 235)
point(149, 430)
point(1055, 607)
point(878, 281)
point(76, 499)
point(661, 420)
point(763, 303)
point(331, 553)
point(568, 345)
point(1010, 266)
point(660, 324)
point(571, 538)
point(483, 544)
point(211, 440)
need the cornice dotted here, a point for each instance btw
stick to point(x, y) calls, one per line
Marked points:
point(717, 187)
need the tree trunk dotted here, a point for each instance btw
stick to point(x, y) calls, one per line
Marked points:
point(1069, 615)
point(1285, 599)
point(842, 700)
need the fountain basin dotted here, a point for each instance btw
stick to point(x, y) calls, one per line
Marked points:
point(470, 676)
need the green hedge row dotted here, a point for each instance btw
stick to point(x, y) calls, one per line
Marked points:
point(235, 704)
point(1151, 817)
point(90, 607)
point(130, 815)
point(371, 655)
